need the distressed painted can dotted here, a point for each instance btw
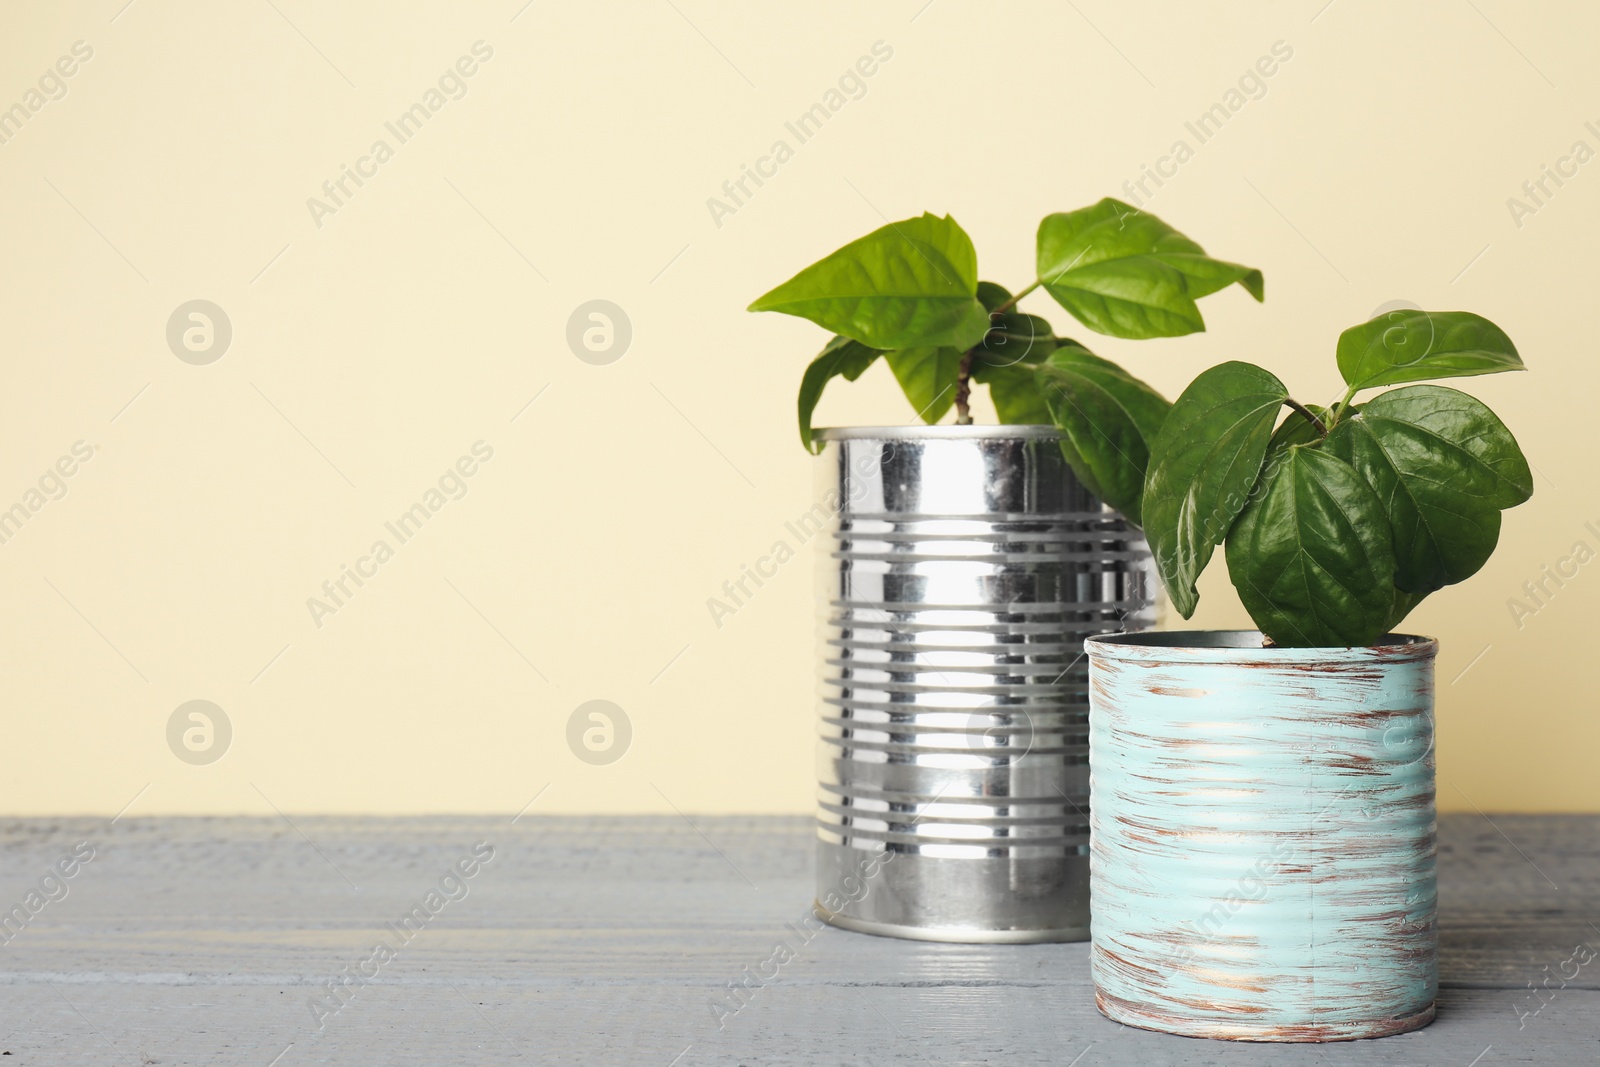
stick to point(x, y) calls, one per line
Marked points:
point(960, 569)
point(1263, 836)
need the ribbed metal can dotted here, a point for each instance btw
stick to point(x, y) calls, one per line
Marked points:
point(962, 570)
point(1263, 836)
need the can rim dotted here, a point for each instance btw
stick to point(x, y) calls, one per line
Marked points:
point(1024, 431)
point(1244, 646)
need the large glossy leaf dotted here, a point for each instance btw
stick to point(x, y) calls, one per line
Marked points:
point(1017, 393)
point(1310, 555)
point(928, 378)
point(1411, 346)
point(841, 357)
point(1203, 465)
point(1107, 418)
point(1126, 273)
point(1444, 466)
point(1098, 438)
point(906, 285)
point(1147, 408)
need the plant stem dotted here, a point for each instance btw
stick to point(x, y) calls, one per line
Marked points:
point(1302, 409)
point(1341, 407)
point(1009, 304)
point(964, 388)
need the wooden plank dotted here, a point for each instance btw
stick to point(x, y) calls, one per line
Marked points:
point(591, 940)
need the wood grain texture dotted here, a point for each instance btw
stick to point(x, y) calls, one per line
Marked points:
point(607, 941)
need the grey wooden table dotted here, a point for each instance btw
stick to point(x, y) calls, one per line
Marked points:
point(618, 941)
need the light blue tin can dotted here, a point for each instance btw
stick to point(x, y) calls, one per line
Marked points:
point(1262, 836)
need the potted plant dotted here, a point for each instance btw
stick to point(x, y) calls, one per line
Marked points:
point(1263, 803)
point(965, 564)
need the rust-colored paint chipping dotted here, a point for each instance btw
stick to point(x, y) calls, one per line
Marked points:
point(1263, 837)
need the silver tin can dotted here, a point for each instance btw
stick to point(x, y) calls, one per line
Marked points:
point(963, 569)
point(1264, 836)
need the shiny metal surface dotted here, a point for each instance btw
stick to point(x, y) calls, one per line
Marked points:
point(963, 568)
point(1264, 836)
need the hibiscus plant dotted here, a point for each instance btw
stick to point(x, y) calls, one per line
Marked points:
point(909, 292)
point(1338, 520)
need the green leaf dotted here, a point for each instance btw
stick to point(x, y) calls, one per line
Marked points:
point(1410, 346)
point(1128, 274)
point(1147, 408)
point(1310, 555)
point(1017, 394)
point(992, 296)
point(1455, 419)
point(1107, 419)
point(1098, 439)
point(1203, 465)
point(906, 285)
point(1296, 429)
point(1404, 604)
point(1015, 338)
point(841, 357)
point(928, 378)
point(1444, 466)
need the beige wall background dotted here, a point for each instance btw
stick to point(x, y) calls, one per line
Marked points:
point(374, 344)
